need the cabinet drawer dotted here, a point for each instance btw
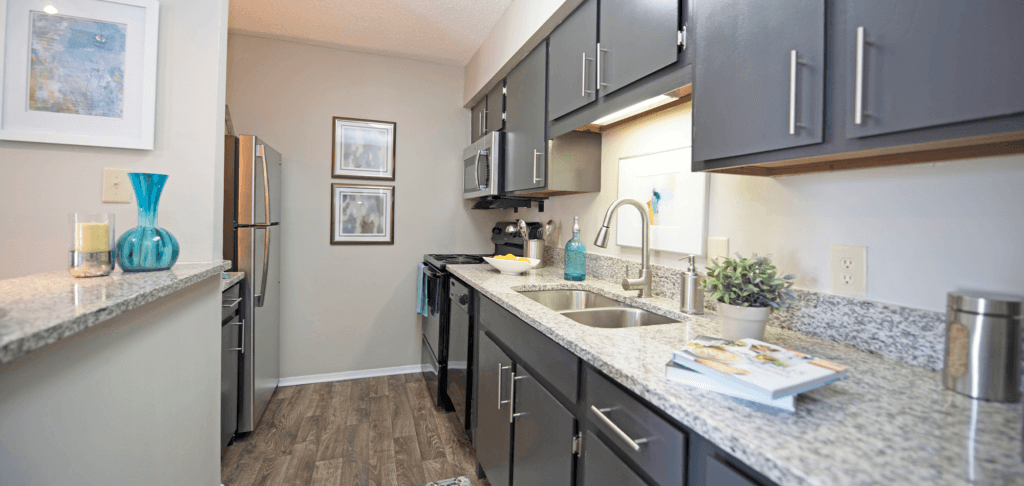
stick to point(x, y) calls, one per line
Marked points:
point(660, 447)
point(719, 473)
point(231, 301)
point(602, 468)
point(539, 353)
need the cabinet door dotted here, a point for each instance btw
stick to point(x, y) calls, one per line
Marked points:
point(571, 48)
point(637, 38)
point(931, 63)
point(751, 93)
point(495, 107)
point(526, 122)
point(543, 435)
point(478, 119)
point(493, 433)
point(230, 340)
point(602, 468)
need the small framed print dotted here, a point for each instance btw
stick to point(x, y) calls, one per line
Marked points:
point(362, 215)
point(79, 72)
point(363, 149)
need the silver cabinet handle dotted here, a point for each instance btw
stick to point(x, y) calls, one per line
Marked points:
point(512, 398)
point(793, 61)
point(242, 332)
point(632, 444)
point(600, 84)
point(500, 369)
point(232, 304)
point(535, 178)
point(585, 91)
point(858, 97)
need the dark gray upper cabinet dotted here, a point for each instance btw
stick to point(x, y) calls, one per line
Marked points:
point(571, 49)
point(478, 119)
point(759, 76)
point(929, 63)
point(526, 122)
point(493, 432)
point(543, 435)
point(637, 38)
point(493, 120)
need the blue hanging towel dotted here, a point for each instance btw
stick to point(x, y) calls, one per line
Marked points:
point(421, 292)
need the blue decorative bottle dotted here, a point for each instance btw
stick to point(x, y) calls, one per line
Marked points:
point(147, 247)
point(575, 255)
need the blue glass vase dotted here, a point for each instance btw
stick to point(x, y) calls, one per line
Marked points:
point(147, 247)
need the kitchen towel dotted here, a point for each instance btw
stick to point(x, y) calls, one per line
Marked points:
point(421, 291)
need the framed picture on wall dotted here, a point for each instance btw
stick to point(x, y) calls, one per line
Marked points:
point(363, 149)
point(79, 72)
point(362, 215)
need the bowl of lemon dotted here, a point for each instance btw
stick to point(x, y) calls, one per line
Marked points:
point(511, 264)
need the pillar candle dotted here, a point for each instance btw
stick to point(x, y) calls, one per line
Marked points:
point(92, 237)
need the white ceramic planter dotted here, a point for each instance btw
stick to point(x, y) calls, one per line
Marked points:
point(742, 322)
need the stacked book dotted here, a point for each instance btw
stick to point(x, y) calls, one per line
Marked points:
point(769, 376)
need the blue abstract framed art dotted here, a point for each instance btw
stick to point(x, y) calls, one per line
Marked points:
point(80, 72)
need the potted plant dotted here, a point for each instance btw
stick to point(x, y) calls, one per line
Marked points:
point(747, 290)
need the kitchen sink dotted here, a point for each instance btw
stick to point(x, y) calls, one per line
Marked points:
point(595, 310)
point(615, 318)
point(566, 300)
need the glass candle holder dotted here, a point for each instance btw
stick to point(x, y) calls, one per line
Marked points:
point(91, 244)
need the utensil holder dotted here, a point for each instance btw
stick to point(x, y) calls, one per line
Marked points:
point(535, 249)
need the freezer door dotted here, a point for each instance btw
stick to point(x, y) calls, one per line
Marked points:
point(261, 362)
point(259, 182)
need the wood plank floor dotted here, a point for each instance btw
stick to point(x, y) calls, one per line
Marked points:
point(381, 431)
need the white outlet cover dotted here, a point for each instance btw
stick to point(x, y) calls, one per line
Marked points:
point(849, 270)
point(117, 188)
point(718, 247)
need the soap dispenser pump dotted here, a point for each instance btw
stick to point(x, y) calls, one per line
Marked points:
point(691, 290)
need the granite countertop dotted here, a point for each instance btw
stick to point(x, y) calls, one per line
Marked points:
point(888, 423)
point(41, 309)
point(233, 278)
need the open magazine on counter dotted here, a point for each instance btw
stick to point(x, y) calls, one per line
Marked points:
point(758, 368)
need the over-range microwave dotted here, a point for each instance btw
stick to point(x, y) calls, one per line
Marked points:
point(483, 166)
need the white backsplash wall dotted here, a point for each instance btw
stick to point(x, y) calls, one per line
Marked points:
point(352, 307)
point(929, 228)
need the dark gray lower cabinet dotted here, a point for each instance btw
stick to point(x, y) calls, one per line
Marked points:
point(711, 466)
point(493, 430)
point(602, 468)
point(931, 63)
point(542, 448)
point(759, 76)
point(230, 341)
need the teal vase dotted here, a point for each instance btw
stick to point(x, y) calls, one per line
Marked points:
point(575, 255)
point(147, 247)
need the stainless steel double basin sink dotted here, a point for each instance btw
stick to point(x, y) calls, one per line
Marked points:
point(595, 310)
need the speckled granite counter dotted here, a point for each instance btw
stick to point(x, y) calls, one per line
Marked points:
point(41, 309)
point(233, 278)
point(888, 423)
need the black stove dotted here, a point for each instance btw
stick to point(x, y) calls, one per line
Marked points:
point(439, 261)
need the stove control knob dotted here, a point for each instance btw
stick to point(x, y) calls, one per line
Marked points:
point(511, 229)
point(463, 299)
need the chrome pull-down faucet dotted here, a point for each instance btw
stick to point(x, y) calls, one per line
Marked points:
point(643, 284)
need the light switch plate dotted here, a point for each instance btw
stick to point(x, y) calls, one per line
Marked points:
point(717, 248)
point(849, 267)
point(116, 186)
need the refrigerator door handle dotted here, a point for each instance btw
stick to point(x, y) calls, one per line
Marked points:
point(262, 153)
point(258, 298)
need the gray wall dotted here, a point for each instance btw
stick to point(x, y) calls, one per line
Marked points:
point(134, 400)
point(348, 308)
point(41, 183)
point(929, 228)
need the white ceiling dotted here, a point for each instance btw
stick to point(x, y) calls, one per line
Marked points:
point(444, 31)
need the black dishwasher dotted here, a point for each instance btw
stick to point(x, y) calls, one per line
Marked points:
point(460, 387)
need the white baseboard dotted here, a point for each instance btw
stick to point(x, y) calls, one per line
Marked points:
point(351, 375)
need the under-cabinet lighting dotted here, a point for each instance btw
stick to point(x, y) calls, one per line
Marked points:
point(635, 109)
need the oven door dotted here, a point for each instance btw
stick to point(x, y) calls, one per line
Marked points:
point(434, 353)
point(481, 167)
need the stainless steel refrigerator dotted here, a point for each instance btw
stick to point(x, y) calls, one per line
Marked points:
point(252, 241)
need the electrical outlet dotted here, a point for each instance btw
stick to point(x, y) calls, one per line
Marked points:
point(116, 186)
point(849, 266)
point(717, 248)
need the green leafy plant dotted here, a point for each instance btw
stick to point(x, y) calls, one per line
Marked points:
point(749, 282)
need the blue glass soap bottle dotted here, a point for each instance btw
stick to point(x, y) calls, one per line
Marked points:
point(575, 255)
